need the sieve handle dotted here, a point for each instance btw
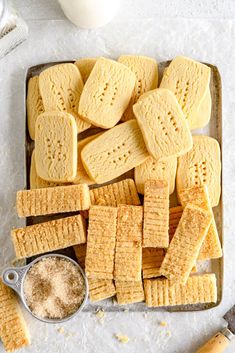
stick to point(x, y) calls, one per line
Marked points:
point(13, 277)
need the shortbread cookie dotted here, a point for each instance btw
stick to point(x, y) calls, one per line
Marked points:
point(146, 71)
point(34, 105)
point(162, 122)
point(80, 253)
point(85, 66)
point(82, 176)
point(100, 289)
point(211, 247)
point(164, 169)
point(129, 292)
point(184, 248)
point(201, 166)
point(106, 93)
point(151, 261)
point(48, 236)
point(56, 147)
point(189, 81)
point(35, 181)
point(175, 213)
point(198, 289)
point(114, 152)
point(203, 114)
point(156, 214)
point(101, 239)
point(60, 199)
point(128, 253)
point(123, 192)
point(13, 331)
point(61, 87)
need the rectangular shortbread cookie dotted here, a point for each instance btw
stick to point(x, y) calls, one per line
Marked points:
point(128, 253)
point(100, 289)
point(151, 261)
point(164, 169)
point(106, 93)
point(123, 192)
point(162, 122)
point(115, 152)
point(129, 292)
point(146, 71)
point(61, 87)
point(60, 199)
point(201, 166)
point(34, 105)
point(85, 66)
point(101, 239)
point(48, 236)
point(198, 289)
point(211, 247)
point(175, 213)
point(13, 331)
point(35, 181)
point(56, 147)
point(184, 248)
point(189, 81)
point(156, 214)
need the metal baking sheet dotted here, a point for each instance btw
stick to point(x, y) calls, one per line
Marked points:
point(213, 129)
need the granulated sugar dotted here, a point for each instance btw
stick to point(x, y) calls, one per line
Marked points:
point(54, 288)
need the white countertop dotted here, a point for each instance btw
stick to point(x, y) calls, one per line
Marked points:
point(202, 29)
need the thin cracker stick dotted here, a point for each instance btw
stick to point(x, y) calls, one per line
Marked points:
point(129, 292)
point(156, 214)
point(151, 261)
point(13, 331)
point(38, 202)
point(100, 289)
point(128, 254)
point(49, 236)
point(199, 196)
point(101, 242)
point(198, 289)
point(186, 243)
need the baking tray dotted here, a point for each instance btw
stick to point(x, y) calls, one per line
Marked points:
point(213, 129)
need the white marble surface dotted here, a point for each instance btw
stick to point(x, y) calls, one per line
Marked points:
point(207, 33)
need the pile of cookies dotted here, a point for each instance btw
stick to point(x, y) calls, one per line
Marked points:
point(134, 247)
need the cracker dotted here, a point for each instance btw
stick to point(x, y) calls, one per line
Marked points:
point(162, 122)
point(82, 176)
point(128, 253)
point(35, 181)
point(61, 87)
point(211, 247)
point(164, 169)
point(175, 213)
point(189, 81)
point(106, 93)
point(101, 241)
point(201, 166)
point(60, 199)
point(85, 66)
point(34, 105)
point(80, 253)
point(129, 292)
point(13, 331)
point(48, 236)
point(151, 261)
point(56, 147)
point(115, 152)
point(184, 248)
point(156, 214)
point(146, 71)
point(123, 192)
point(198, 289)
point(100, 289)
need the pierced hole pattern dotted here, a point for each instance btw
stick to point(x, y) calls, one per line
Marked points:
point(114, 95)
point(72, 99)
point(139, 87)
point(120, 157)
point(60, 100)
point(181, 92)
point(102, 95)
point(200, 173)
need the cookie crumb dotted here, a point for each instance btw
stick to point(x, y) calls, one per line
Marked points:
point(122, 338)
point(60, 330)
point(163, 323)
point(168, 333)
point(100, 314)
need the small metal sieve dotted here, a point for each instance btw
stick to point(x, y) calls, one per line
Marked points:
point(14, 278)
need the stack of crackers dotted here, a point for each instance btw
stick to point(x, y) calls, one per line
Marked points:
point(131, 243)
